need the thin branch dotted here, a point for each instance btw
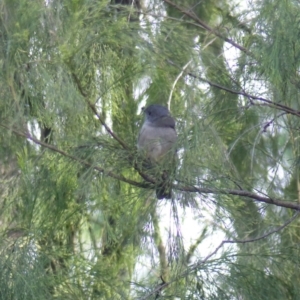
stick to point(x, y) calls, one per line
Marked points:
point(181, 18)
point(110, 132)
point(94, 109)
point(208, 28)
point(241, 193)
point(157, 290)
point(175, 82)
point(272, 121)
point(252, 97)
point(194, 246)
point(242, 93)
point(268, 233)
point(75, 158)
point(247, 240)
point(150, 182)
point(160, 248)
point(164, 285)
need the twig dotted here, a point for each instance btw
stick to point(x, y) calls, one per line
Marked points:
point(247, 240)
point(160, 287)
point(181, 18)
point(270, 122)
point(150, 182)
point(110, 132)
point(94, 109)
point(208, 28)
point(194, 246)
point(241, 93)
point(176, 80)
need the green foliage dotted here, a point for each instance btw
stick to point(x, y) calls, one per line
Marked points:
point(79, 217)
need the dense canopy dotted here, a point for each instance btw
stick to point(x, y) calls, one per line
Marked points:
point(79, 217)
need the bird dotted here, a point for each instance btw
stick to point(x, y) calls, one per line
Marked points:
point(156, 140)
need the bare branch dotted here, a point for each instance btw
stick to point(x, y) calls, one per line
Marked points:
point(242, 93)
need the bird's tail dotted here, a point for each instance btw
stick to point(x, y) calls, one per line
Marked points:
point(163, 189)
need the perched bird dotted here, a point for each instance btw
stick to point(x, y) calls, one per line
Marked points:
point(156, 139)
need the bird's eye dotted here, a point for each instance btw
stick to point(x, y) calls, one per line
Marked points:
point(149, 113)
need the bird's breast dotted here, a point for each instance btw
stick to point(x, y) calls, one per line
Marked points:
point(156, 141)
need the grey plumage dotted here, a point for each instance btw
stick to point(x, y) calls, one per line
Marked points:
point(156, 139)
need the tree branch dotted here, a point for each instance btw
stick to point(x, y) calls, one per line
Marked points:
point(175, 82)
point(252, 97)
point(241, 193)
point(83, 162)
point(110, 132)
point(150, 182)
point(194, 246)
point(94, 109)
point(162, 286)
point(208, 28)
point(241, 93)
point(164, 270)
point(269, 123)
point(247, 240)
